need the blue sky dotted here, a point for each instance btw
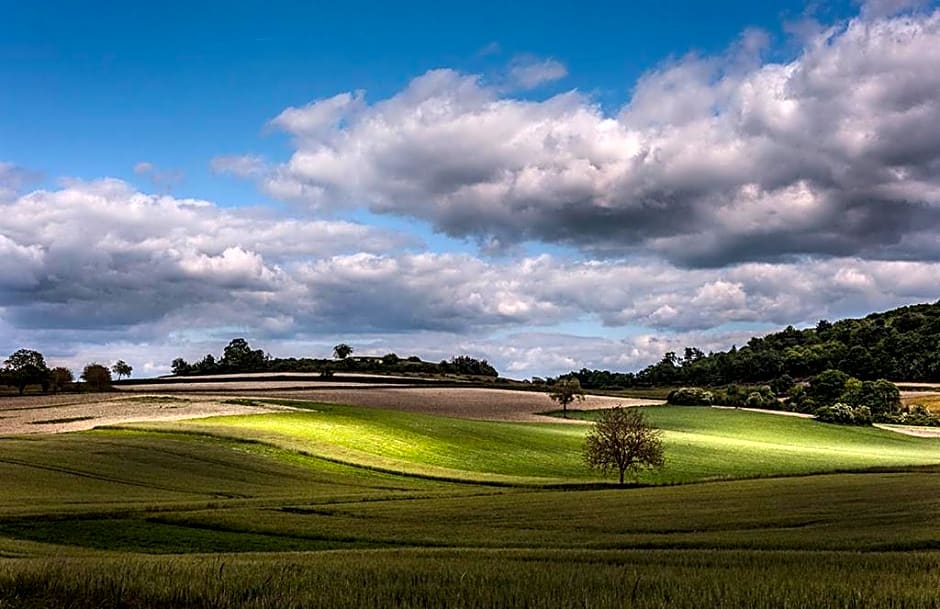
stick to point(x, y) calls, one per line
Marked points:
point(91, 88)
point(524, 176)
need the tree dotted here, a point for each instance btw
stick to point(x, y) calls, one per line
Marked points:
point(97, 377)
point(566, 391)
point(26, 367)
point(180, 367)
point(342, 351)
point(464, 364)
point(206, 365)
point(882, 397)
point(60, 378)
point(828, 386)
point(122, 368)
point(622, 440)
point(239, 357)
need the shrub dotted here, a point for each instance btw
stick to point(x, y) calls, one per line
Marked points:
point(754, 400)
point(913, 415)
point(843, 414)
point(690, 396)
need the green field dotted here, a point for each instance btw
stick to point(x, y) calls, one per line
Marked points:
point(350, 507)
point(701, 443)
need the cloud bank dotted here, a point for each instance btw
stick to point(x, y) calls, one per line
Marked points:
point(102, 259)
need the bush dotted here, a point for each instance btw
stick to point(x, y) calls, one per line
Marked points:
point(843, 414)
point(754, 400)
point(913, 415)
point(690, 396)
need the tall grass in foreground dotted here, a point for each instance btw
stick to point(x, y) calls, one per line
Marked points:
point(478, 579)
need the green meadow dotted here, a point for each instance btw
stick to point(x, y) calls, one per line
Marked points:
point(701, 444)
point(338, 506)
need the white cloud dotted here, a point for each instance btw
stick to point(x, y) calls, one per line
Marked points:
point(163, 179)
point(143, 167)
point(99, 254)
point(530, 72)
point(712, 161)
point(244, 166)
point(99, 257)
point(888, 8)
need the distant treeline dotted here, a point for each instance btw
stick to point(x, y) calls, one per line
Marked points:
point(239, 357)
point(902, 344)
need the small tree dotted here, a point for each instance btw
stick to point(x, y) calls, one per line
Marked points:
point(622, 440)
point(342, 351)
point(97, 377)
point(566, 391)
point(121, 368)
point(60, 378)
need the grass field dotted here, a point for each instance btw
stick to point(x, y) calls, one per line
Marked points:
point(701, 443)
point(340, 506)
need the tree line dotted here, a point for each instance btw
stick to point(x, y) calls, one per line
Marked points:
point(239, 357)
point(902, 344)
point(27, 367)
point(831, 396)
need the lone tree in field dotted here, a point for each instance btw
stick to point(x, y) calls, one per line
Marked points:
point(342, 351)
point(566, 391)
point(26, 367)
point(622, 440)
point(121, 368)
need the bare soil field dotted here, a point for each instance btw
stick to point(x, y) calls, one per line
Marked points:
point(74, 412)
point(57, 414)
point(239, 386)
point(930, 400)
point(339, 375)
point(465, 403)
point(918, 385)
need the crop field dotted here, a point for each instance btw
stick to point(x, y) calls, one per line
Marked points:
point(308, 504)
point(930, 400)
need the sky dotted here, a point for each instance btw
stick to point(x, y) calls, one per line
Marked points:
point(548, 186)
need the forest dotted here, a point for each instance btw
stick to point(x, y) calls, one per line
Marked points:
point(902, 344)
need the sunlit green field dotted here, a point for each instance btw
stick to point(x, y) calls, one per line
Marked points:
point(701, 443)
point(352, 507)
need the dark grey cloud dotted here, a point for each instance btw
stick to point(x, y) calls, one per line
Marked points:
point(712, 161)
